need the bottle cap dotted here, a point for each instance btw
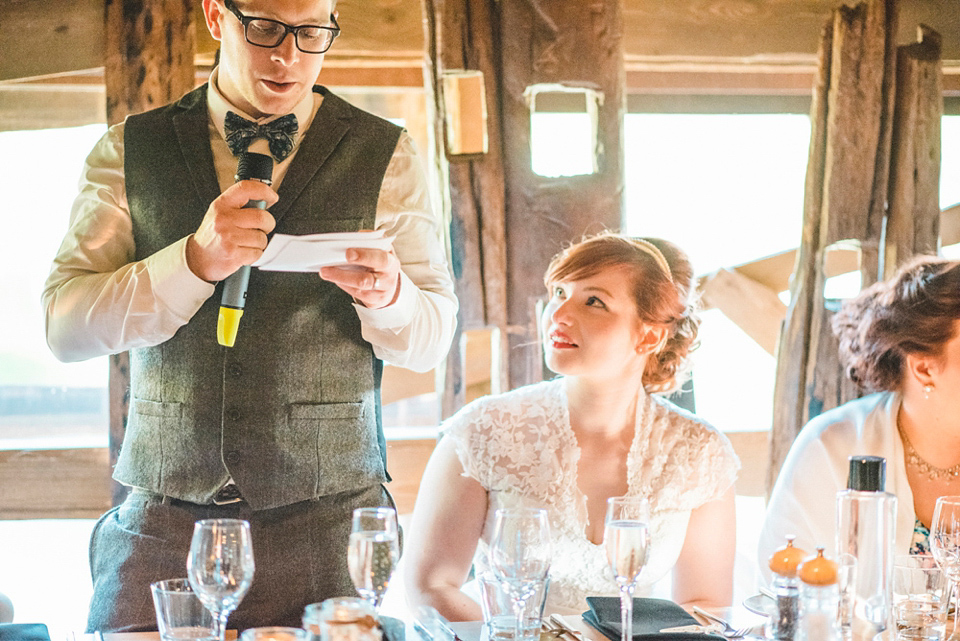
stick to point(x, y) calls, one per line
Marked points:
point(867, 473)
point(785, 560)
point(818, 570)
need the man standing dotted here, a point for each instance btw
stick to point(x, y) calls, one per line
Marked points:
point(283, 429)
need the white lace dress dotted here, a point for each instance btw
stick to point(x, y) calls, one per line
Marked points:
point(520, 447)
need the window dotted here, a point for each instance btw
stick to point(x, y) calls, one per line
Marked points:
point(728, 189)
point(43, 403)
point(738, 180)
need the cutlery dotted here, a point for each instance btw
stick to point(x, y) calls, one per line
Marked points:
point(561, 625)
point(728, 630)
point(713, 628)
point(427, 620)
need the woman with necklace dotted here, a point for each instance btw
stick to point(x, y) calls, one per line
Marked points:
point(901, 340)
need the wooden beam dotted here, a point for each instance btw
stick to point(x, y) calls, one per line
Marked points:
point(25, 106)
point(950, 226)
point(399, 383)
point(406, 460)
point(73, 483)
point(148, 62)
point(913, 220)
point(39, 38)
point(754, 308)
point(674, 38)
point(760, 30)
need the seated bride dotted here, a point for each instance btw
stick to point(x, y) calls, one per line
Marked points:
point(618, 328)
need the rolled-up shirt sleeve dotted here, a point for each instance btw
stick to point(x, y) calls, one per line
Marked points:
point(414, 332)
point(97, 299)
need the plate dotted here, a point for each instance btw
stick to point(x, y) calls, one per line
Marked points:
point(760, 604)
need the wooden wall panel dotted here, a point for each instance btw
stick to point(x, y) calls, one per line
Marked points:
point(406, 460)
point(39, 38)
point(38, 484)
point(59, 37)
point(575, 45)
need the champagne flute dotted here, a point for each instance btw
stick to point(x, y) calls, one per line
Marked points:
point(220, 566)
point(626, 537)
point(373, 552)
point(520, 557)
point(945, 545)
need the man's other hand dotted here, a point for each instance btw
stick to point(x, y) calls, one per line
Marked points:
point(372, 277)
point(231, 235)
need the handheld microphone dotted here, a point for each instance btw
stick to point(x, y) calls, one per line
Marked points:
point(252, 166)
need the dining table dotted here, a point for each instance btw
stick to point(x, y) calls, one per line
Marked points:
point(580, 630)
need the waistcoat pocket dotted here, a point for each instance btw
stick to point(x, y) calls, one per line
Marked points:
point(325, 411)
point(142, 456)
point(347, 448)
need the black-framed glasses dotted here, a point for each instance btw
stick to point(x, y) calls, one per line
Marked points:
point(267, 33)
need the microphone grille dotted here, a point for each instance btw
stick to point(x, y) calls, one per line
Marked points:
point(254, 166)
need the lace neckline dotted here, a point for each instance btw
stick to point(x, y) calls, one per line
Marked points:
point(572, 445)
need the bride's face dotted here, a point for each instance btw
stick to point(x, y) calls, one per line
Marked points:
point(591, 326)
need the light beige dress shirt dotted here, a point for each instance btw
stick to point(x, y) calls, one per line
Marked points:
point(98, 300)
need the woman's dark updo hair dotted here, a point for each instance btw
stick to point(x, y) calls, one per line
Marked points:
point(661, 298)
point(914, 312)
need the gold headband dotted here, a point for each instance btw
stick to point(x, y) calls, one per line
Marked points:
point(651, 250)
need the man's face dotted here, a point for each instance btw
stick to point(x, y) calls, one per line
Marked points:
point(265, 81)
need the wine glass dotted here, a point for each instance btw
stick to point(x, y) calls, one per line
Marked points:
point(220, 566)
point(373, 552)
point(626, 537)
point(945, 545)
point(520, 556)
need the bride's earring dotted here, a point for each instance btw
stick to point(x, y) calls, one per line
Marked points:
point(927, 389)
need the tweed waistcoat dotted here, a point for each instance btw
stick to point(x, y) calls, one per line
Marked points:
point(292, 411)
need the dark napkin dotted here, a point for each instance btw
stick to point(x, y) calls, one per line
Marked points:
point(24, 632)
point(393, 629)
point(649, 617)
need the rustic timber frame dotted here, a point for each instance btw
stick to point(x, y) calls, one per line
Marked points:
point(684, 55)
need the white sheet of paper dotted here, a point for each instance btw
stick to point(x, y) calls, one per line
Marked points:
point(286, 253)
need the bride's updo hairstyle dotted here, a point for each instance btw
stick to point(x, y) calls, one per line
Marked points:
point(914, 312)
point(663, 287)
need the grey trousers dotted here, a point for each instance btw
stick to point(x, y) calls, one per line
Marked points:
point(300, 552)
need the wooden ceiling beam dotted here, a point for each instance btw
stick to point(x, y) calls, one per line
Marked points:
point(673, 38)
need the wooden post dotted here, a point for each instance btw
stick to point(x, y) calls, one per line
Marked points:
point(914, 221)
point(148, 62)
point(461, 36)
point(844, 198)
point(576, 44)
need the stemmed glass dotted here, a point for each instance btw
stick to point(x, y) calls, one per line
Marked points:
point(520, 555)
point(626, 537)
point(373, 552)
point(220, 566)
point(945, 545)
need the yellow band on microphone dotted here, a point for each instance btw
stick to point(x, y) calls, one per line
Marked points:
point(228, 322)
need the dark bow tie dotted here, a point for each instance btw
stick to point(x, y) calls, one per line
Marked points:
point(279, 133)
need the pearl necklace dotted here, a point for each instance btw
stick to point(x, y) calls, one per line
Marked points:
point(932, 472)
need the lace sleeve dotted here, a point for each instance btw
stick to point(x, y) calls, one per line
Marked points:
point(465, 428)
point(511, 442)
point(696, 462)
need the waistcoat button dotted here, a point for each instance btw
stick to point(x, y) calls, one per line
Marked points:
point(233, 414)
point(232, 457)
point(236, 370)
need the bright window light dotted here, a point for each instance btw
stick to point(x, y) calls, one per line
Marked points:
point(43, 402)
point(562, 144)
